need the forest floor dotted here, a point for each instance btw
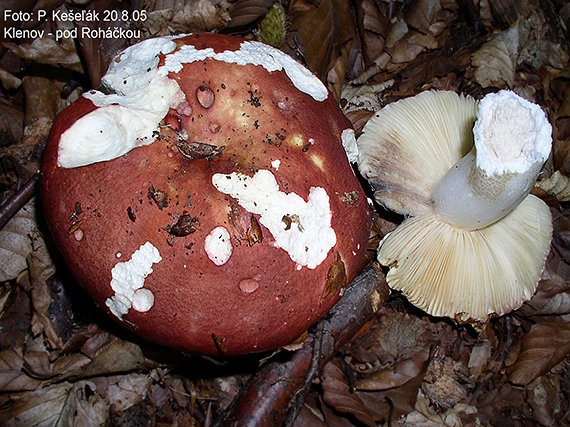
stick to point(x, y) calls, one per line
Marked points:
point(62, 363)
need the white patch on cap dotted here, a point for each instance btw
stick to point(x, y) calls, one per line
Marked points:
point(218, 246)
point(143, 300)
point(275, 164)
point(128, 280)
point(113, 131)
point(127, 117)
point(141, 93)
point(349, 144)
point(302, 229)
point(254, 53)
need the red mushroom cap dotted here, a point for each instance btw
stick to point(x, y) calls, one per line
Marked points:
point(237, 225)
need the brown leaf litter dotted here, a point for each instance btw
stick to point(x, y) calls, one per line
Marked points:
point(63, 364)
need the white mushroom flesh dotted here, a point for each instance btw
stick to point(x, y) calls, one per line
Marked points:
point(512, 141)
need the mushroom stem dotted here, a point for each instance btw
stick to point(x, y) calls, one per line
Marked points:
point(512, 141)
point(468, 198)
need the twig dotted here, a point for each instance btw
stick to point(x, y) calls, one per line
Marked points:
point(18, 200)
point(298, 401)
point(272, 395)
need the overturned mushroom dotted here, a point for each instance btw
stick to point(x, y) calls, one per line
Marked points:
point(475, 241)
point(184, 172)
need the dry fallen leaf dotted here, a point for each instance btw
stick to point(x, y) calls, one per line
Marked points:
point(16, 243)
point(495, 61)
point(48, 51)
point(15, 318)
point(49, 406)
point(425, 415)
point(166, 17)
point(12, 376)
point(375, 26)
point(25, 152)
point(543, 347)
point(114, 357)
point(410, 45)
point(128, 390)
point(397, 401)
point(318, 31)
point(557, 185)
point(552, 297)
point(11, 122)
point(41, 270)
point(337, 394)
point(545, 400)
point(244, 12)
point(398, 374)
point(423, 15)
point(92, 409)
point(502, 404)
point(9, 81)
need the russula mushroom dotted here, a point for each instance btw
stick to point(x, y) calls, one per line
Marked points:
point(201, 198)
point(474, 241)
